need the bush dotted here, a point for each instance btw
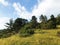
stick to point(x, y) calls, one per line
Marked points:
point(26, 31)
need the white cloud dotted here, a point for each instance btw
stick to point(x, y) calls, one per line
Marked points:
point(3, 20)
point(4, 2)
point(46, 7)
point(21, 11)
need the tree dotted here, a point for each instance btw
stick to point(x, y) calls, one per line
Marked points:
point(10, 24)
point(53, 21)
point(43, 23)
point(58, 19)
point(19, 22)
point(33, 22)
point(43, 18)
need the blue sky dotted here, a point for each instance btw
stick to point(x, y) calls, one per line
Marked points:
point(26, 9)
point(7, 10)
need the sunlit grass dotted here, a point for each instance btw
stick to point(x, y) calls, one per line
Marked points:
point(41, 37)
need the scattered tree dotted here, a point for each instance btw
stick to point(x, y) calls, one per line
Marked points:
point(10, 25)
point(33, 22)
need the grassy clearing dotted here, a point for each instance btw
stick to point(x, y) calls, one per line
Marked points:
point(41, 37)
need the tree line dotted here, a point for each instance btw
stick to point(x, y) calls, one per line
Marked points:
point(25, 27)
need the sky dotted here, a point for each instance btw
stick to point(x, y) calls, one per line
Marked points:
point(26, 9)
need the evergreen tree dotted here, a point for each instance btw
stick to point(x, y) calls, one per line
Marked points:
point(58, 19)
point(10, 24)
point(53, 21)
point(34, 22)
point(43, 20)
point(19, 23)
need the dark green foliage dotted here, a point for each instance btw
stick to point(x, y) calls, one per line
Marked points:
point(48, 24)
point(33, 22)
point(53, 21)
point(19, 23)
point(43, 23)
point(38, 26)
point(13, 27)
point(26, 31)
point(58, 20)
point(43, 19)
point(5, 33)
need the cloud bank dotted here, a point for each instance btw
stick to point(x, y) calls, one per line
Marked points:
point(46, 7)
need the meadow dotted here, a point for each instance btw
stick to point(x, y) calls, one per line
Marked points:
point(41, 37)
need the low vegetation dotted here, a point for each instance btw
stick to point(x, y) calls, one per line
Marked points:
point(41, 37)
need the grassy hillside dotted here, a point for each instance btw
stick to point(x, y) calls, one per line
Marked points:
point(41, 37)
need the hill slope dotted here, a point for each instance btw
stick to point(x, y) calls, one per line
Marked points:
point(41, 37)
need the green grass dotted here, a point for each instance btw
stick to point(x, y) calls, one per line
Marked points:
point(41, 37)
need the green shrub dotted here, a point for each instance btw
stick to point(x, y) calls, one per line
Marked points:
point(26, 31)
